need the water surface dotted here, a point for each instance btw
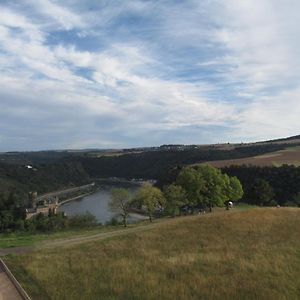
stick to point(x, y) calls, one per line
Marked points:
point(96, 204)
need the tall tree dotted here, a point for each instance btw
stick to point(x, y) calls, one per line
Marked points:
point(261, 192)
point(151, 198)
point(193, 183)
point(175, 197)
point(120, 203)
point(235, 190)
point(215, 189)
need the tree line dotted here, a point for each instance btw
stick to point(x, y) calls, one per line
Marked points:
point(195, 188)
point(268, 185)
point(155, 164)
point(13, 218)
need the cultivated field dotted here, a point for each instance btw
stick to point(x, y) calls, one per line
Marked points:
point(250, 254)
point(290, 156)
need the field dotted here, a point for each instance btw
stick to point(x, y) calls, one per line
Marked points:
point(289, 156)
point(30, 239)
point(238, 254)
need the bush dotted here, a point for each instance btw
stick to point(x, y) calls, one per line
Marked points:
point(83, 220)
point(113, 222)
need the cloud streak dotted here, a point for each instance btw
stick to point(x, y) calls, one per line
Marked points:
point(122, 74)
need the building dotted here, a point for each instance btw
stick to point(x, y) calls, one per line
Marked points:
point(44, 207)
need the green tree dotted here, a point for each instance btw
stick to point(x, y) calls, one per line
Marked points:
point(193, 183)
point(151, 198)
point(120, 203)
point(215, 189)
point(235, 190)
point(175, 197)
point(296, 199)
point(261, 192)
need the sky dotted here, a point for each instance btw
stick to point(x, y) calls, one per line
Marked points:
point(117, 74)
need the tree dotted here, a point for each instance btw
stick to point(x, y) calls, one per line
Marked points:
point(120, 203)
point(296, 199)
point(215, 189)
point(150, 197)
point(261, 192)
point(175, 197)
point(193, 184)
point(206, 185)
point(235, 191)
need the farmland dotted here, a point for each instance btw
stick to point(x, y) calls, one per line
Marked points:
point(289, 156)
point(238, 254)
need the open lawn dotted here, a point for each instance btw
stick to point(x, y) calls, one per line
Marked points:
point(238, 254)
point(289, 156)
point(8, 240)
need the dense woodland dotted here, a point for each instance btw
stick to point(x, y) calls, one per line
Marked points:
point(284, 181)
point(155, 164)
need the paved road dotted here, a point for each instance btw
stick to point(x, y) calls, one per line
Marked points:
point(7, 289)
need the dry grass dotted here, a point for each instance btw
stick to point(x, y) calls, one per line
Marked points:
point(252, 254)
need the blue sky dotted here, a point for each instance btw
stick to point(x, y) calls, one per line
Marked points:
point(114, 74)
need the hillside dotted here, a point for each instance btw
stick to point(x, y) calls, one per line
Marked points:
point(288, 156)
point(52, 170)
point(252, 254)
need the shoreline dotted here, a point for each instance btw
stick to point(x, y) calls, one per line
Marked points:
point(75, 198)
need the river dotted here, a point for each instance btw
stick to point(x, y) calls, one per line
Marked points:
point(97, 204)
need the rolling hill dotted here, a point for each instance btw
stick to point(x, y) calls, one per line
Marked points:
point(238, 254)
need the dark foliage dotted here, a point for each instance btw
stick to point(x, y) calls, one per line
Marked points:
point(284, 180)
point(156, 164)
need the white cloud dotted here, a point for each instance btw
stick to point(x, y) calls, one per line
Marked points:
point(53, 12)
point(244, 55)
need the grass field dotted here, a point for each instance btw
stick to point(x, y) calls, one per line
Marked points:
point(238, 254)
point(30, 239)
point(289, 156)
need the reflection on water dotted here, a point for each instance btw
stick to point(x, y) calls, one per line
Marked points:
point(96, 204)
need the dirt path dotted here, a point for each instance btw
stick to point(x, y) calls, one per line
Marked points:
point(83, 238)
point(78, 239)
point(7, 289)
point(102, 235)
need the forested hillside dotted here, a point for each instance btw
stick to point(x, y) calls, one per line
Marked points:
point(154, 164)
point(20, 179)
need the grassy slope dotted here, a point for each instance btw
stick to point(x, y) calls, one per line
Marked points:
point(30, 239)
point(252, 254)
point(18, 239)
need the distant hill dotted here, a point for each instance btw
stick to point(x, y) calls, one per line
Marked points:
point(50, 170)
point(295, 138)
point(288, 156)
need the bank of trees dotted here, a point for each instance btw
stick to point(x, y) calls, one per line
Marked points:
point(195, 187)
point(268, 185)
point(13, 217)
point(12, 212)
point(155, 164)
point(204, 186)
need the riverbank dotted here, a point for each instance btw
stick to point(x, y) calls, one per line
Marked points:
point(76, 198)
